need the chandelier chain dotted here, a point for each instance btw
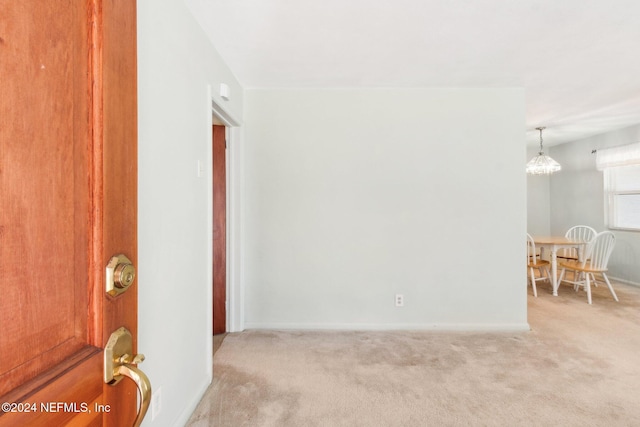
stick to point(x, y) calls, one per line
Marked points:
point(541, 129)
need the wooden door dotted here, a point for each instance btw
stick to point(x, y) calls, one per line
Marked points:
point(219, 230)
point(68, 191)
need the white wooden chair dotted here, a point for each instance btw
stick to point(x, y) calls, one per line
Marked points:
point(581, 233)
point(533, 263)
point(595, 262)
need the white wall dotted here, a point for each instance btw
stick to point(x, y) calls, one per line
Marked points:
point(354, 195)
point(577, 197)
point(176, 65)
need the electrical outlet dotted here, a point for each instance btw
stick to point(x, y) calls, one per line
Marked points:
point(156, 402)
point(399, 300)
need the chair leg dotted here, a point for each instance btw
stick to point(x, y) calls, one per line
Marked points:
point(533, 282)
point(587, 287)
point(577, 278)
point(606, 279)
point(548, 271)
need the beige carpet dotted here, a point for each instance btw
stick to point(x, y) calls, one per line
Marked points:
point(217, 341)
point(579, 366)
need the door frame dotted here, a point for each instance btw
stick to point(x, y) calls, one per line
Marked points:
point(234, 159)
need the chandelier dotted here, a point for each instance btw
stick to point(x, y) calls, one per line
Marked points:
point(542, 164)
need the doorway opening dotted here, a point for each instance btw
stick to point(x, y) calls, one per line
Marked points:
point(224, 161)
point(219, 198)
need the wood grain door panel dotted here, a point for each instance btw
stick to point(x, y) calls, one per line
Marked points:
point(44, 137)
point(68, 202)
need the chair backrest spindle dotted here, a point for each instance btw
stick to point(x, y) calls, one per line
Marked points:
point(581, 233)
point(599, 250)
point(531, 250)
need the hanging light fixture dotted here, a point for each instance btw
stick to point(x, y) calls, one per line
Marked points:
point(542, 164)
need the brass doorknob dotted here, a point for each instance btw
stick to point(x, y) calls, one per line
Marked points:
point(118, 363)
point(120, 275)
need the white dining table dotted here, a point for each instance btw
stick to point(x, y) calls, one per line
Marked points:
point(553, 243)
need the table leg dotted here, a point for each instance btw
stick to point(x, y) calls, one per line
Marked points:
point(554, 271)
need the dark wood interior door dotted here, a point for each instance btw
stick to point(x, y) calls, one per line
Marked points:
point(219, 230)
point(68, 192)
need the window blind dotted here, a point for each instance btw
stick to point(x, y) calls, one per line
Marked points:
point(622, 201)
point(626, 155)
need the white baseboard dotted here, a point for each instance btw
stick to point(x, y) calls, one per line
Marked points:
point(626, 282)
point(191, 407)
point(458, 327)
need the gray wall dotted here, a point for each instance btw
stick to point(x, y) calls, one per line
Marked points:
point(577, 197)
point(353, 196)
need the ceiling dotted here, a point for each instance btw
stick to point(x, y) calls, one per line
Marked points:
point(578, 60)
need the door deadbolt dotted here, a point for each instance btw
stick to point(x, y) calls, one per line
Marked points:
point(120, 274)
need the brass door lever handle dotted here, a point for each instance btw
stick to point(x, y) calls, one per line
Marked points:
point(118, 363)
point(144, 386)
